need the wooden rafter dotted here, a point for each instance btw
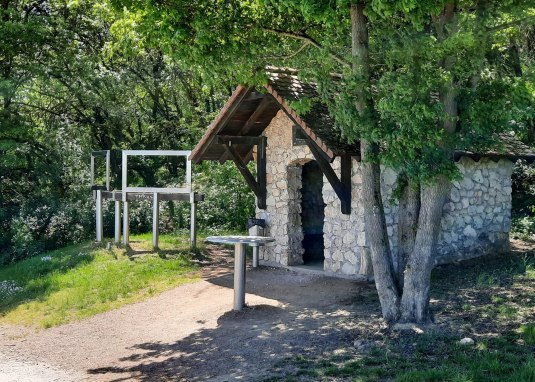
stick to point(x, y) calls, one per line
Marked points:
point(342, 185)
point(251, 121)
point(257, 185)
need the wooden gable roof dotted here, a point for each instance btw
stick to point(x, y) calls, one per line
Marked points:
point(249, 111)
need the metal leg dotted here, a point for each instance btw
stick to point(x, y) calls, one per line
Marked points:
point(98, 215)
point(193, 224)
point(239, 276)
point(126, 228)
point(255, 256)
point(155, 220)
point(117, 221)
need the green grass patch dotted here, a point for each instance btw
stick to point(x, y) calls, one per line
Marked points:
point(490, 300)
point(436, 359)
point(82, 280)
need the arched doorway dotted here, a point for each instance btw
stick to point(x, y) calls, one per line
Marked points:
point(312, 213)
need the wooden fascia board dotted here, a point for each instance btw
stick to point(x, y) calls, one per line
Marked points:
point(298, 121)
point(219, 122)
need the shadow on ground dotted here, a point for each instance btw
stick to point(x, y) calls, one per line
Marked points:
point(314, 316)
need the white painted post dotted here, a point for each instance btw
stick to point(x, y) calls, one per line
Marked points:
point(126, 228)
point(107, 170)
point(124, 182)
point(117, 221)
point(98, 215)
point(239, 276)
point(193, 222)
point(155, 221)
point(255, 256)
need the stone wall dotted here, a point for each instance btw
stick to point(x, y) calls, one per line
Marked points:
point(476, 219)
point(283, 212)
point(343, 234)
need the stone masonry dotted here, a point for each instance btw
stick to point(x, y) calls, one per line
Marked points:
point(476, 219)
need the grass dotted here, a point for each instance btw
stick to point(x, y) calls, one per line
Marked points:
point(82, 280)
point(491, 301)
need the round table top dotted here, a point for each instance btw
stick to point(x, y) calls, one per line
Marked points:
point(258, 240)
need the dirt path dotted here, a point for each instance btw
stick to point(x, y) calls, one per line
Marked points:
point(190, 333)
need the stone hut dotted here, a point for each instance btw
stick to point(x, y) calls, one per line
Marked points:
point(308, 183)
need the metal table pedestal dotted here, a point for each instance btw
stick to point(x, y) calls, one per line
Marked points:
point(239, 261)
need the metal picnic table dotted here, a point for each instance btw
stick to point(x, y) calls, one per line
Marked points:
point(239, 260)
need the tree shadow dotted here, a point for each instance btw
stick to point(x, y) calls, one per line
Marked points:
point(245, 345)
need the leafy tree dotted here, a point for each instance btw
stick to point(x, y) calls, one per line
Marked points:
point(413, 81)
point(68, 87)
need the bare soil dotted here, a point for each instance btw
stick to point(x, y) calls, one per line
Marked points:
point(292, 322)
point(190, 333)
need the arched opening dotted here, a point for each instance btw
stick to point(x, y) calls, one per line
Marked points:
point(312, 214)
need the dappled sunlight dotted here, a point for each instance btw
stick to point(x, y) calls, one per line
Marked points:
point(277, 323)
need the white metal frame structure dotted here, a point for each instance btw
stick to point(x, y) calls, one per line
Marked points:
point(98, 189)
point(100, 154)
point(169, 190)
point(157, 194)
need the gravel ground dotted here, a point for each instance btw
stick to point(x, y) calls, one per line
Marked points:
point(13, 369)
point(190, 333)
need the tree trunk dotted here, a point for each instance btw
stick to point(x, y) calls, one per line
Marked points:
point(376, 233)
point(415, 299)
point(409, 211)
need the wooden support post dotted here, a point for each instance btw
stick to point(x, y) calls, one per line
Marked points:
point(242, 168)
point(345, 180)
point(98, 215)
point(342, 186)
point(155, 220)
point(193, 222)
point(258, 187)
point(261, 173)
point(126, 225)
point(117, 221)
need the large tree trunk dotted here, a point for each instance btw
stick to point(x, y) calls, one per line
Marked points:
point(408, 213)
point(415, 299)
point(376, 233)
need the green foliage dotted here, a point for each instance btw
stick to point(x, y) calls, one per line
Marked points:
point(409, 44)
point(228, 200)
point(68, 85)
point(523, 212)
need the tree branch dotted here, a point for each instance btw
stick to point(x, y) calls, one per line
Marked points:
point(310, 40)
point(510, 24)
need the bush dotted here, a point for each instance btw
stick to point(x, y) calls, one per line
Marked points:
point(523, 212)
point(228, 200)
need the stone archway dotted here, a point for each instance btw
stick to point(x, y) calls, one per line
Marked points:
point(305, 213)
point(312, 213)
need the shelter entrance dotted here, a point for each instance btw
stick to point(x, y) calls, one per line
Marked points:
point(312, 214)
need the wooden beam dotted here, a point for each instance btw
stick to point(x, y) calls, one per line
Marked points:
point(137, 196)
point(264, 104)
point(345, 180)
point(342, 188)
point(222, 118)
point(237, 140)
point(261, 172)
point(251, 121)
point(242, 168)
